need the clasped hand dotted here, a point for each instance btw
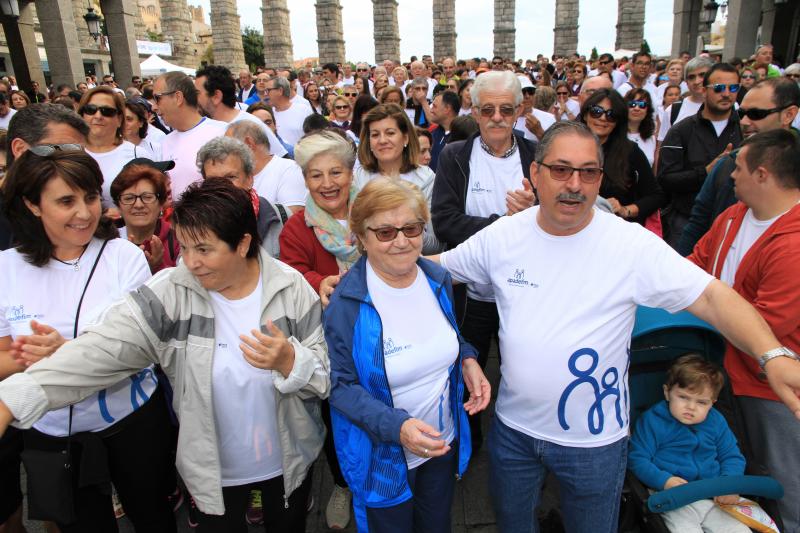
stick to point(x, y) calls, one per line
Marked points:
point(268, 352)
point(43, 342)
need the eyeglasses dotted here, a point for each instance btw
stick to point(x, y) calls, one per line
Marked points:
point(758, 114)
point(497, 62)
point(749, 77)
point(597, 111)
point(506, 110)
point(701, 75)
point(564, 172)
point(641, 104)
point(262, 80)
point(643, 64)
point(362, 69)
point(157, 96)
point(562, 93)
point(43, 150)
point(389, 233)
point(603, 62)
point(720, 87)
point(341, 107)
point(106, 111)
point(268, 89)
point(145, 197)
point(351, 95)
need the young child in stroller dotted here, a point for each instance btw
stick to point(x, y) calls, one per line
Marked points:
point(683, 439)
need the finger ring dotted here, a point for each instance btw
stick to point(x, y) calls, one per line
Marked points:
point(425, 451)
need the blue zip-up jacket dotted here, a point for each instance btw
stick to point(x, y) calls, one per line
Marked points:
point(366, 426)
point(662, 447)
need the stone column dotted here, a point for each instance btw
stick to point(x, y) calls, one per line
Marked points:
point(120, 17)
point(277, 33)
point(630, 24)
point(444, 29)
point(565, 39)
point(386, 31)
point(228, 49)
point(140, 29)
point(504, 28)
point(176, 25)
point(767, 24)
point(60, 37)
point(741, 30)
point(684, 27)
point(21, 38)
point(330, 33)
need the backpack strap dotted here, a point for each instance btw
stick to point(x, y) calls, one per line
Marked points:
point(282, 213)
point(676, 110)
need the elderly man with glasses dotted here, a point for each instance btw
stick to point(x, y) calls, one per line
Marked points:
point(478, 181)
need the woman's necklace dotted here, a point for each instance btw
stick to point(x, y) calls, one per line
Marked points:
point(74, 264)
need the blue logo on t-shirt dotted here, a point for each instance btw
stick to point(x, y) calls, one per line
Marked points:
point(595, 415)
point(476, 188)
point(518, 279)
point(390, 348)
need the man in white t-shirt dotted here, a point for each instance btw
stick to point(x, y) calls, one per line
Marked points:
point(567, 279)
point(640, 74)
point(278, 180)
point(176, 103)
point(606, 63)
point(347, 74)
point(532, 122)
point(289, 116)
point(694, 74)
point(5, 111)
point(418, 70)
point(753, 247)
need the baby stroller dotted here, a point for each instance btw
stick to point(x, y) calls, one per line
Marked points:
point(658, 339)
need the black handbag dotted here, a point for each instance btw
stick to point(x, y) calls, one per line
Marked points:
point(50, 477)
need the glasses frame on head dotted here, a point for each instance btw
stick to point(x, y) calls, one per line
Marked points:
point(44, 150)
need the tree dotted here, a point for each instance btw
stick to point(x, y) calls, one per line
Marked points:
point(154, 37)
point(208, 56)
point(645, 47)
point(253, 44)
point(594, 54)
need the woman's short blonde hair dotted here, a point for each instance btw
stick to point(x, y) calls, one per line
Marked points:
point(324, 142)
point(384, 194)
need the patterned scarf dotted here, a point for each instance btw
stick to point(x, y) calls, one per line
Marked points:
point(334, 237)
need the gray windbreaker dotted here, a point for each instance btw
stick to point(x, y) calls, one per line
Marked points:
point(169, 321)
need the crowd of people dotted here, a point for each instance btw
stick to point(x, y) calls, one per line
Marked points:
point(208, 281)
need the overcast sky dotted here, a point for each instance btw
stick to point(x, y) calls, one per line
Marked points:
point(474, 24)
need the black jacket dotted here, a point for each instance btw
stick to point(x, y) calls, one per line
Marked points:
point(451, 224)
point(689, 146)
point(641, 189)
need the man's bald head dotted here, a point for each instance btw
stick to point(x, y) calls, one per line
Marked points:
point(595, 83)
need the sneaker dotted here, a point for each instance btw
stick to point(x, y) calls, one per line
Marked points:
point(119, 512)
point(255, 512)
point(192, 513)
point(175, 499)
point(337, 513)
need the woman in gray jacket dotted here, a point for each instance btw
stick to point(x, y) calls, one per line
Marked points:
point(239, 336)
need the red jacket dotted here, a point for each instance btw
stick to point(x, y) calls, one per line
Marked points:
point(301, 250)
point(768, 277)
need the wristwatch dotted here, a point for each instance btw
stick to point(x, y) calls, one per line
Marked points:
point(783, 351)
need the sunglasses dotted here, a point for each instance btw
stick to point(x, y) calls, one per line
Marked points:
point(562, 93)
point(43, 150)
point(758, 114)
point(749, 77)
point(641, 104)
point(351, 95)
point(603, 62)
point(488, 111)
point(106, 111)
point(341, 107)
point(389, 233)
point(145, 197)
point(720, 87)
point(564, 172)
point(597, 111)
point(362, 69)
point(157, 96)
point(497, 62)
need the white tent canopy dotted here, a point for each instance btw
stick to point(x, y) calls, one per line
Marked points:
point(154, 66)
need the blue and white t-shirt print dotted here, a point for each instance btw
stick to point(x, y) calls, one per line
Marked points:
point(567, 307)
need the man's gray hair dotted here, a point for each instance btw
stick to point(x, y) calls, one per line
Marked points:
point(283, 84)
point(248, 128)
point(495, 80)
point(697, 63)
point(219, 149)
point(324, 142)
point(566, 127)
point(794, 68)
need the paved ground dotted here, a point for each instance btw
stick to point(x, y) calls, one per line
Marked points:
point(472, 511)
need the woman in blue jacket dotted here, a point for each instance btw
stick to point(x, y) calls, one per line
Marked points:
point(398, 367)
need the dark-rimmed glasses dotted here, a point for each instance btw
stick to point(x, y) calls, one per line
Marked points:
point(389, 233)
point(758, 114)
point(157, 96)
point(43, 150)
point(145, 197)
point(564, 172)
point(597, 111)
point(506, 110)
point(105, 110)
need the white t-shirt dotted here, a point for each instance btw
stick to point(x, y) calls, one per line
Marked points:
point(421, 176)
point(490, 179)
point(50, 295)
point(182, 147)
point(624, 88)
point(111, 164)
point(567, 307)
point(275, 146)
point(661, 89)
point(281, 182)
point(573, 107)
point(749, 232)
point(243, 396)
point(647, 146)
point(419, 349)
point(290, 122)
point(546, 119)
point(719, 126)
point(688, 108)
point(6, 119)
point(154, 133)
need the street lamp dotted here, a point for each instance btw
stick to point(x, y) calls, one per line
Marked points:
point(93, 21)
point(9, 8)
point(709, 13)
